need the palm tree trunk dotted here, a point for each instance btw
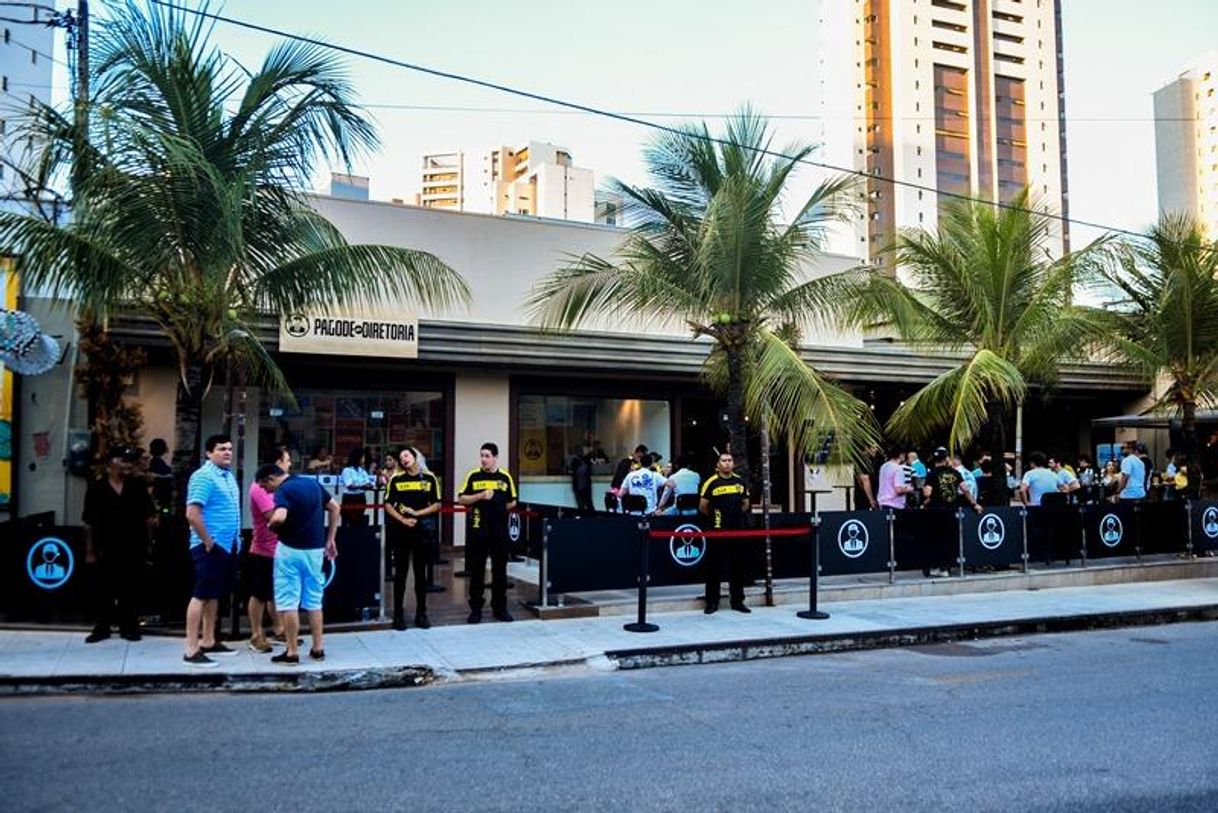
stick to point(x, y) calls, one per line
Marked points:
point(999, 495)
point(737, 429)
point(1188, 429)
point(188, 426)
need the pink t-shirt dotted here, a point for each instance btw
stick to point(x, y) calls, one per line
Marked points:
point(265, 540)
point(891, 476)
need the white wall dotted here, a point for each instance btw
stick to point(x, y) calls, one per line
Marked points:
point(482, 404)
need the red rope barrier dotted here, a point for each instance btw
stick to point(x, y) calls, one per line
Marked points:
point(729, 534)
point(447, 509)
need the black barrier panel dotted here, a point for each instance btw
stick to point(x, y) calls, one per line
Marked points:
point(1163, 527)
point(853, 542)
point(353, 591)
point(926, 538)
point(1111, 530)
point(993, 537)
point(1205, 525)
point(1055, 533)
point(46, 575)
point(593, 553)
point(681, 560)
point(526, 530)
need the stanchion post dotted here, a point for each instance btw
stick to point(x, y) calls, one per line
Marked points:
point(812, 612)
point(1137, 524)
point(1188, 521)
point(543, 589)
point(1082, 548)
point(641, 624)
point(1023, 514)
point(960, 540)
point(380, 587)
point(892, 547)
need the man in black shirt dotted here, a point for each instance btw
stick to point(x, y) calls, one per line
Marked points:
point(944, 488)
point(117, 517)
point(489, 493)
point(410, 495)
point(725, 501)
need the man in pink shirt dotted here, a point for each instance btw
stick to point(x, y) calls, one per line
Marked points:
point(260, 564)
point(892, 484)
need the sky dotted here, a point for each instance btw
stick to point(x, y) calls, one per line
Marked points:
point(698, 58)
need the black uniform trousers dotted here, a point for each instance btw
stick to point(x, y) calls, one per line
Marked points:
point(478, 547)
point(405, 545)
point(116, 579)
point(725, 555)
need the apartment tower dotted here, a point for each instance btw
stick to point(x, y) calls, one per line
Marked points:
point(961, 96)
point(1186, 143)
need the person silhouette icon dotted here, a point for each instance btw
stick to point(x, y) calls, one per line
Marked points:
point(991, 536)
point(1111, 533)
point(50, 570)
point(852, 539)
point(1209, 523)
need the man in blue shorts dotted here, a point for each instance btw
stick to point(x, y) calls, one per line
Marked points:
point(213, 511)
point(299, 518)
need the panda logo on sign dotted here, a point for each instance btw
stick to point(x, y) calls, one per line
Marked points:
point(853, 538)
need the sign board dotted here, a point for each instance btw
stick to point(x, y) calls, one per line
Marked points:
point(994, 537)
point(380, 331)
point(853, 542)
point(1111, 529)
point(1205, 526)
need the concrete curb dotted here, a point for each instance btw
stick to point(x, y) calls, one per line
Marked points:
point(727, 651)
point(280, 681)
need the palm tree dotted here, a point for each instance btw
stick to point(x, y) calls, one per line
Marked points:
point(983, 285)
point(188, 207)
point(708, 251)
point(1165, 317)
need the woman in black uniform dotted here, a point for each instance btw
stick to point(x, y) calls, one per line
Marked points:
point(411, 496)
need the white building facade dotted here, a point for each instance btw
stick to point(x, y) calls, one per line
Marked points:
point(1186, 143)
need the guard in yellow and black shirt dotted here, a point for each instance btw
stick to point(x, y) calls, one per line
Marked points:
point(412, 498)
point(489, 493)
point(725, 500)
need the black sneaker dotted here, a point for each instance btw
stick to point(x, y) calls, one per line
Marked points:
point(502, 615)
point(740, 607)
point(217, 649)
point(97, 635)
point(475, 616)
point(422, 621)
point(198, 659)
point(399, 622)
point(132, 636)
point(710, 608)
point(317, 654)
point(286, 659)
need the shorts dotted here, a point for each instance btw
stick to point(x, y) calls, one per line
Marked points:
point(260, 577)
point(298, 578)
point(213, 572)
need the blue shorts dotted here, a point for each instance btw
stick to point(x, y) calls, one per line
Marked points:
point(213, 572)
point(298, 578)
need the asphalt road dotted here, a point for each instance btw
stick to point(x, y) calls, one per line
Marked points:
point(1099, 721)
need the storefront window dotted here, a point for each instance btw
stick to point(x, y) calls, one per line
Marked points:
point(555, 428)
point(341, 420)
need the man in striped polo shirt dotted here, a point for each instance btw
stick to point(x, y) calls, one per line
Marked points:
point(213, 510)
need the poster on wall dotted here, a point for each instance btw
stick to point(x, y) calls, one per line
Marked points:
point(8, 286)
point(532, 451)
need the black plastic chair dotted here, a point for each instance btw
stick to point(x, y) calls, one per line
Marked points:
point(687, 504)
point(634, 504)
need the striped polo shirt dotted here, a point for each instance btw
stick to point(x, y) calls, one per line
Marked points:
point(215, 491)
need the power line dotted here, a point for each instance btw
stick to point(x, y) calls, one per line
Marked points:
point(51, 57)
point(623, 117)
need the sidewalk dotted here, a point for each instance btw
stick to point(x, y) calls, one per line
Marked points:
point(41, 662)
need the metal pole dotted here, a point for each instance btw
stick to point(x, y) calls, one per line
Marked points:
point(765, 507)
point(960, 530)
point(812, 612)
point(1082, 523)
point(1024, 515)
point(81, 107)
point(381, 585)
point(1188, 521)
point(892, 548)
point(543, 589)
point(641, 624)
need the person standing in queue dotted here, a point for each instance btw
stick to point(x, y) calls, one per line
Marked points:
point(410, 495)
point(118, 516)
point(213, 511)
point(490, 493)
point(725, 501)
point(354, 481)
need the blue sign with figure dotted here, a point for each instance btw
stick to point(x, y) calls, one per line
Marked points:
point(50, 563)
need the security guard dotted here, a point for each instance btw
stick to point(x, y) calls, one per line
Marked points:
point(410, 495)
point(725, 500)
point(490, 493)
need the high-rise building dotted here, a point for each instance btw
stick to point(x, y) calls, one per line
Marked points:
point(25, 78)
point(537, 179)
point(1186, 143)
point(961, 96)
